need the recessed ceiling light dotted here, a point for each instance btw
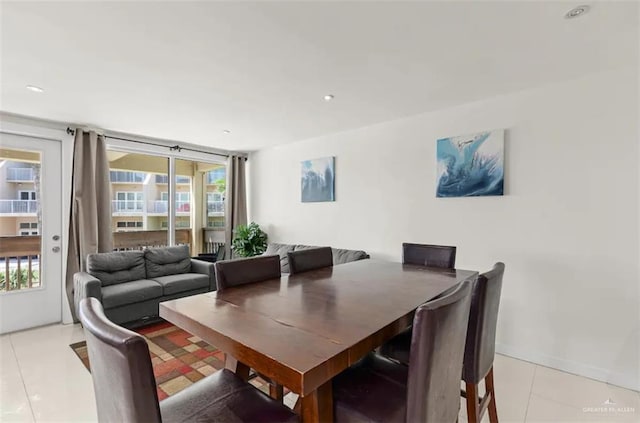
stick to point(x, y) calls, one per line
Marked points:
point(328, 97)
point(34, 89)
point(577, 12)
point(226, 131)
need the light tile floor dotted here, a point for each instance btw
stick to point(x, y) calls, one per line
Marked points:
point(41, 379)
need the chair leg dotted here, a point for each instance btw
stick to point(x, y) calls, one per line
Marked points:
point(473, 408)
point(488, 383)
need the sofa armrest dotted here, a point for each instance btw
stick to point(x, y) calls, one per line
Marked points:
point(85, 286)
point(205, 268)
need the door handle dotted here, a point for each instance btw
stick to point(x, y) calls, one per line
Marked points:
point(56, 249)
point(56, 237)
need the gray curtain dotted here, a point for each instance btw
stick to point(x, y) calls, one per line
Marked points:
point(235, 212)
point(90, 222)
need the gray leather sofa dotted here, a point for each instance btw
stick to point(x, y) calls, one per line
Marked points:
point(131, 284)
point(340, 256)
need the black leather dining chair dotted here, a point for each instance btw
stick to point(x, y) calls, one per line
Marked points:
point(237, 272)
point(125, 387)
point(481, 345)
point(441, 256)
point(377, 389)
point(310, 259)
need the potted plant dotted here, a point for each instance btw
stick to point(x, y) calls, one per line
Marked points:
point(249, 240)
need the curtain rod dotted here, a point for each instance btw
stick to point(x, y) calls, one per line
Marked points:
point(176, 147)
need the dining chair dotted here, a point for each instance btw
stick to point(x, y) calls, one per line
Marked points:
point(441, 256)
point(231, 273)
point(481, 343)
point(377, 389)
point(309, 259)
point(125, 387)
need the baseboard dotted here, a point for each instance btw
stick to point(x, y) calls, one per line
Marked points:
point(622, 380)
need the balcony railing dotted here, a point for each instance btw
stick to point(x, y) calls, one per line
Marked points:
point(20, 174)
point(164, 179)
point(122, 206)
point(18, 206)
point(138, 240)
point(162, 206)
point(126, 177)
point(20, 255)
point(19, 262)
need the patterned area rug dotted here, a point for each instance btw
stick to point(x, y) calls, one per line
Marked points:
point(179, 359)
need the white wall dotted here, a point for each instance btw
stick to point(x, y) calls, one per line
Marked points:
point(567, 227)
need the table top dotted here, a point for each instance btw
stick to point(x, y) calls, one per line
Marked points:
point(301, 330)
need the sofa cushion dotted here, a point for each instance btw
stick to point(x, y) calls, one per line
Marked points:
point(341, 256)
point(167, 261)
point(281, 250)
point(130, 292)
point(116, 267)
point(173, 284)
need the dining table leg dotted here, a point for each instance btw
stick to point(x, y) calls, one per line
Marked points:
point(317, 407)
point(240, 369)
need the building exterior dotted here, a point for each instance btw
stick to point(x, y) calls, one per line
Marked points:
point(19, 206)
point(139, 200)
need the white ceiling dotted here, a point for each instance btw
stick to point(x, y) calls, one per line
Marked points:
point(186, 71)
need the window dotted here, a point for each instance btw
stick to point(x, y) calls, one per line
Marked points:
point(27, 195)
point(127, 201)
point(215, 202)
point(129, 224)
point(183, 200)
point(24, 233)
point(32, 225)
point(134, 184)
point(216, 180)
point(148, 172)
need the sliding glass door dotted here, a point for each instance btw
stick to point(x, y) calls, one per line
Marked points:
point(163, 200)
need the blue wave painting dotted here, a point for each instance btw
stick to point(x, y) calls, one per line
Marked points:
point(471, 165)
point(317, 180)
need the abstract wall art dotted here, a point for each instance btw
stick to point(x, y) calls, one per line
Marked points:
point(471, 165)
point(318, 180)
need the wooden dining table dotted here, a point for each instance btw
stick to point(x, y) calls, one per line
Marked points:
point(302, 330)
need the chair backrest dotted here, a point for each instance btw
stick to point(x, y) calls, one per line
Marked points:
point(310, 259)
point(442, 256)
point(121, 369)
point(481, 335)
point(231, 273)
point(435, 360)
